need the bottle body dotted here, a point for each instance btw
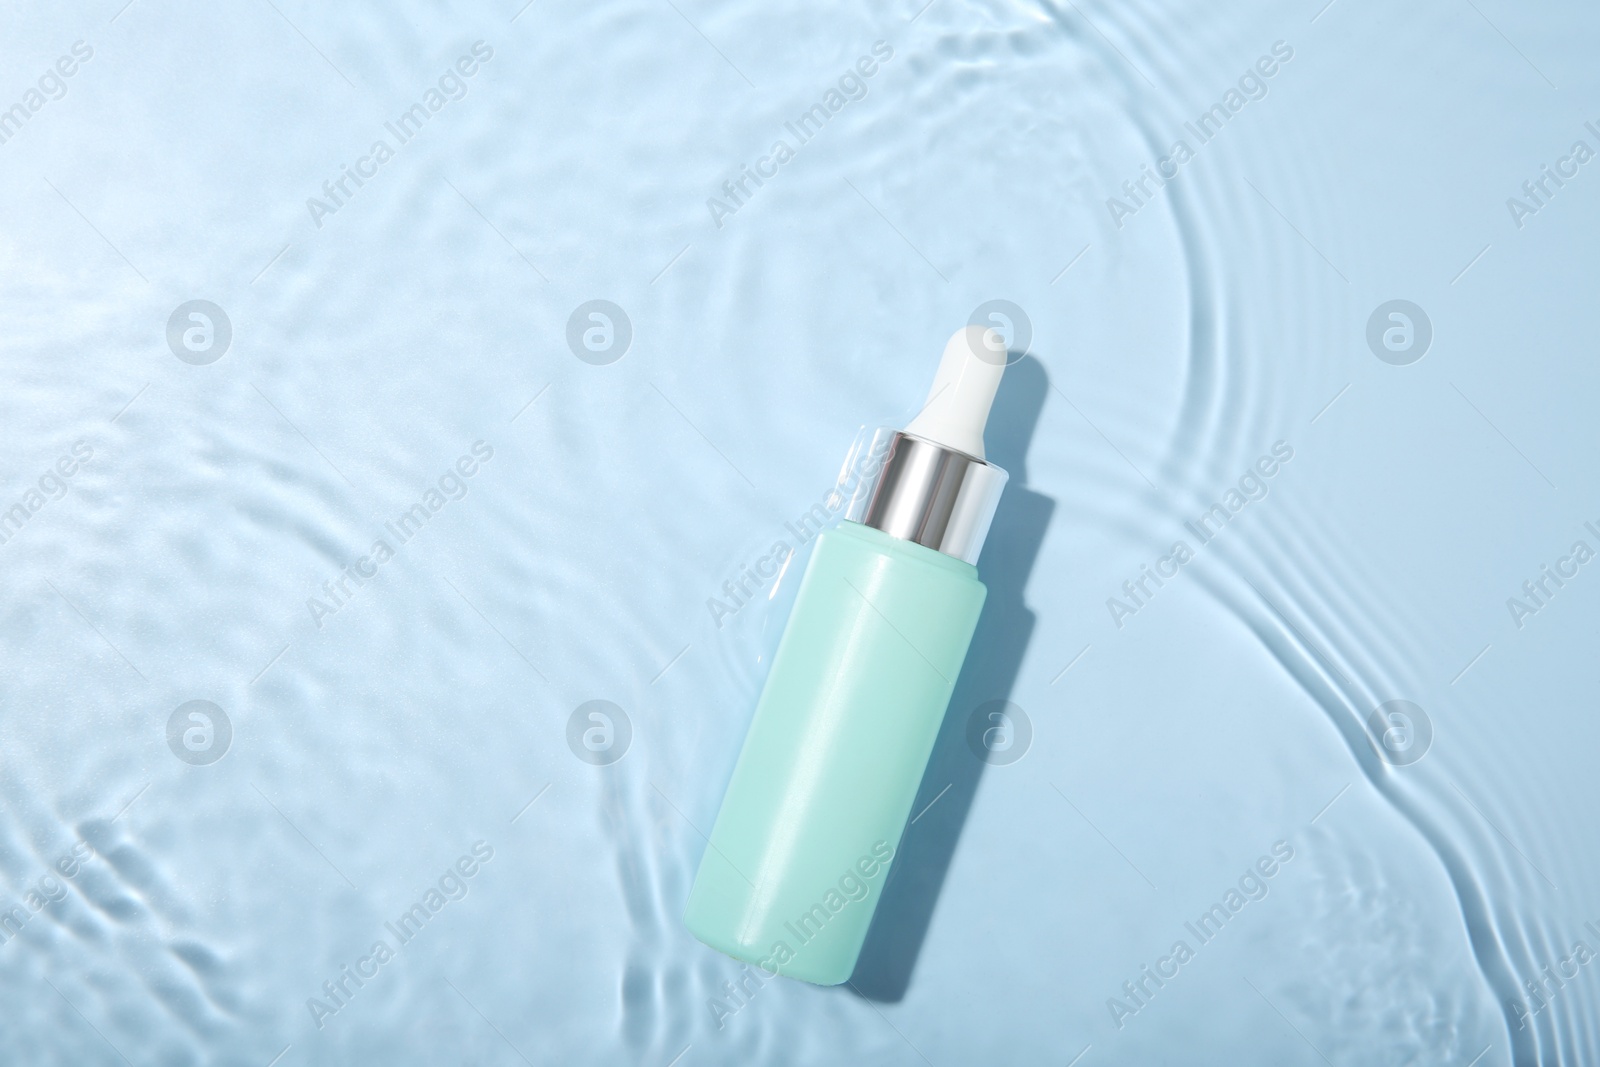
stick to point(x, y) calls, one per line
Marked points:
point(813, 815)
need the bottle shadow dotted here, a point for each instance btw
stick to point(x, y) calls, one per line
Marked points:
point(900, 924)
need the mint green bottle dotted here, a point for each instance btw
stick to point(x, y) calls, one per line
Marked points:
point(812, 818)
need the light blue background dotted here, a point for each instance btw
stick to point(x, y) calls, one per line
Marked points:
point(430, 312)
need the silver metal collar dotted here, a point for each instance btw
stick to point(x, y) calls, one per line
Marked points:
point(932, 496)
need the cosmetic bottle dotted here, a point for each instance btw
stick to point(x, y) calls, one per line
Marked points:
point(803, 843)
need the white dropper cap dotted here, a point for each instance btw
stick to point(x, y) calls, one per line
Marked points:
point(963, 390)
